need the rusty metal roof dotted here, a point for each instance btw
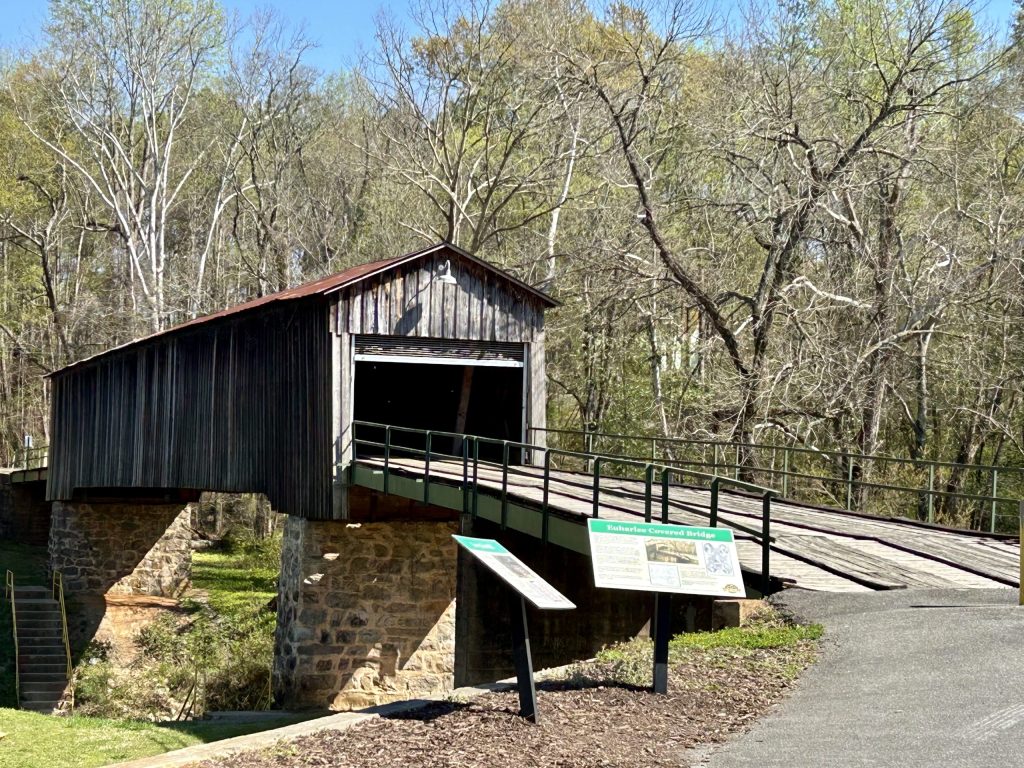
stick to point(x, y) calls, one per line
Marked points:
point(323, 287)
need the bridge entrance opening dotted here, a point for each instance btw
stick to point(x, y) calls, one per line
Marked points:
point(454, 396)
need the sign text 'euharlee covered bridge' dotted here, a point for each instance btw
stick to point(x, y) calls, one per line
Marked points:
point(262, 398)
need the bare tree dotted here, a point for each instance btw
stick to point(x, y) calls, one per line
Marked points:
point(126, 72)
point(467, 121)
point(783, 152)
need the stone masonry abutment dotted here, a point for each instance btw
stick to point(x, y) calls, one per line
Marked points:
point(117, 554)
point(122, 548)
point(366, 612)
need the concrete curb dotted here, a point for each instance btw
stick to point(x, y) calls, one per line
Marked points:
point(342, 721)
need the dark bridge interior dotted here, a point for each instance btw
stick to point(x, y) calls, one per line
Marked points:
point(467, 399)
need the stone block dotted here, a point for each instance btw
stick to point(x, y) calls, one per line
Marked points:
point(734, 613)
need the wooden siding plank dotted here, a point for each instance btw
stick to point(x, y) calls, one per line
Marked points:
point(423, 297)
point(434, 310)
point(242, 405)
point(537, 416)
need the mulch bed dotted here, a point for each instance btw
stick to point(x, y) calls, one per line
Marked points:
point(583, 721)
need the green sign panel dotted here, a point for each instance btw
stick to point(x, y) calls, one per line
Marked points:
point(652, 557)
point(515, 573)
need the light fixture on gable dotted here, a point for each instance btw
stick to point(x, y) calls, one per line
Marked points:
point(446, 275)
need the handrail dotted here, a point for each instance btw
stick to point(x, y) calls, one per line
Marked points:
point(820, 452)
point(31, 458)
point(58, 595)
point(595, 460)
point(9, 594)
point(924, 494)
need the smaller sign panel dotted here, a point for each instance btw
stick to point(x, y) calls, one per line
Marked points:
point(515, 573)
point(652, 557)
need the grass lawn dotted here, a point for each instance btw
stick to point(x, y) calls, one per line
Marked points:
point(236, 581)
point(85, 742)
point(631, 661)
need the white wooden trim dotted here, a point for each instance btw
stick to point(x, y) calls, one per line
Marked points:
point(439, 360)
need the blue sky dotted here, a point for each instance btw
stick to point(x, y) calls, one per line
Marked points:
point(340, 27)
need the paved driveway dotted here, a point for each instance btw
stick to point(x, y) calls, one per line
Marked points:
point(908, 678)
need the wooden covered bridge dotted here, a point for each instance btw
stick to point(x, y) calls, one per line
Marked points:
point(383, 409)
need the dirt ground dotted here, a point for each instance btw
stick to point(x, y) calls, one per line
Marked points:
point(591, 718)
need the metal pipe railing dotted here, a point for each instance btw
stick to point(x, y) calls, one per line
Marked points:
point(9, 596)
point(595, 461)
point(849, 483)
point(31, 458)
point(819, 452)
point(58, 595)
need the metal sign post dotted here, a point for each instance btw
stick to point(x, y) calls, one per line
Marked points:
point(522, 658)
point(660, 631)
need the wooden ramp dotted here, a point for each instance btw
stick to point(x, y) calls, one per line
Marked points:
point(812, 548)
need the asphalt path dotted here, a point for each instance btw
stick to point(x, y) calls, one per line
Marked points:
point(907, 678)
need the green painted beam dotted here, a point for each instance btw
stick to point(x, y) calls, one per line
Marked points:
point(529, 520)
point(29, 475)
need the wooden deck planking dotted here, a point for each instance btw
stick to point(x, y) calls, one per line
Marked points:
point(987, 557)
point(813, 548)
point(952, 576)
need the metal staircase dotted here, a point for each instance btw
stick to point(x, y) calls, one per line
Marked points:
point(42, 652)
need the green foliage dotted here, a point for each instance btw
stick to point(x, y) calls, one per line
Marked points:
point(631, 662)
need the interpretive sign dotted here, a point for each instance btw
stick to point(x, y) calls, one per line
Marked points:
point(515, 573)
point(652, 557)
point(524, 584)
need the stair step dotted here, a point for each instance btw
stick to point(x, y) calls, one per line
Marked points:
point(41, 697)
point(48, 676)
point(26, 660)
point(37, 632)
point(47, 636)
point(49, 668)
point(43, 692)
point(45, 644)
point(43, 686)
point(20, 592)
point(33, 603)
